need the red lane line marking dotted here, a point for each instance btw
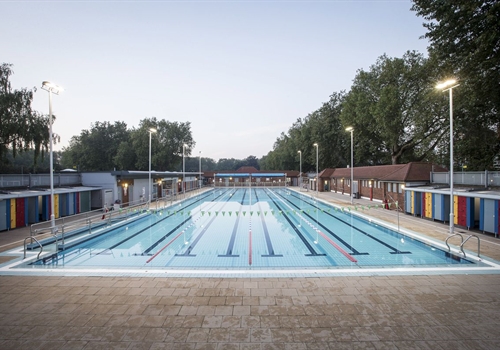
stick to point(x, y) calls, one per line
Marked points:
point(158, 252)
point(338, 248)
point(250, 250)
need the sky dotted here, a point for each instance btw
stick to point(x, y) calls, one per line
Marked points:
point(241, 72)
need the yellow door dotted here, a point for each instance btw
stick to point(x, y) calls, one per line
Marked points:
point(455, 210)
point(412, 201)
point(428, 205)
point(56, 206)
point(12, 213)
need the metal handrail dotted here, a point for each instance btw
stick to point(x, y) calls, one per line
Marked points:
point(32, 238)
point(462, 243)
point(478, 245)
point(456, 234)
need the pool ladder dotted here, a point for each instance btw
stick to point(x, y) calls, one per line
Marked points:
point(463, 243)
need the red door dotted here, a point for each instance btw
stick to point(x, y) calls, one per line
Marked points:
point(20, 212)
point(462, 211)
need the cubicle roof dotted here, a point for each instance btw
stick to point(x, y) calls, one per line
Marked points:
point(248, 175)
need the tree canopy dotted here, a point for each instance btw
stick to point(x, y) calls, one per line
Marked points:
point(323, 127)
point(464, 40)
point(465, 36)
point(22, 128)
point(395, 112)
point(107, 146)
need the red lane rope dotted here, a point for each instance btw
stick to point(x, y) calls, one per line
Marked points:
point(346, 254)
point(169, 243)
point(250, 248)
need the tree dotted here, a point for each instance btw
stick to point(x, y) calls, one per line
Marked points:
point(322, 126)
point(167, 143)
point(227, 164)
point(464, 39)
point(251, 161)
point(96, 149)
point(465, 35)
point(21, 127)
point(395, 111)
point(193, 164)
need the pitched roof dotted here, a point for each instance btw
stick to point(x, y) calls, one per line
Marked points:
point(247, 169)
point(415, 171)
point(328, 172)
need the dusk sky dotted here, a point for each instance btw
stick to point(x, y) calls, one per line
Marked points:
point(242, 72)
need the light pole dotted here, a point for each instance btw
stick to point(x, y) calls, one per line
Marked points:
point(350, 128)
point(317, 172)
point(199, 159)
point(300, 169)
point(448, 85)
point(51, 88)
point(183, 171)
point(151, 130)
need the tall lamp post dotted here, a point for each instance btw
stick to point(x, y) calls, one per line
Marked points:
point(300, 169)
point(183, 170)
point(351, 129)
point(317, 172)
point(151, 131)
point(448, 85)
point(51, 88)
point(199, 159)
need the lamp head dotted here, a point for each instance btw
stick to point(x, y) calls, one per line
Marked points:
point(447, 84)
point(51, 87)
point(152, 130)
point(349, 128)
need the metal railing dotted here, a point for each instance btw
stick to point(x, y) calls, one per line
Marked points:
point(85, 222)
point(252, 184)
point(472, 178)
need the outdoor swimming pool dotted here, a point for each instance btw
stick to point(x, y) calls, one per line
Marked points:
point(249, 229)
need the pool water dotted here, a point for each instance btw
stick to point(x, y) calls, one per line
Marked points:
point(257, 228)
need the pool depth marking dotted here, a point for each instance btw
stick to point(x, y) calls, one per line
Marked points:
point(394, 250)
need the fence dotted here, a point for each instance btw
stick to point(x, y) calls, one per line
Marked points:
point(471, 178)
point(38, 180)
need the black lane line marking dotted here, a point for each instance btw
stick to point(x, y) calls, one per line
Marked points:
point(354, 251)
point(242, 199)
point(230, 247)
point(192, 245)
point(394, 250)
point(297, 231)
point(270, 248)
point(154, 245)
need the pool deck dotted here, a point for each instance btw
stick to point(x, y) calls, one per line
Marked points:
point(377, 312)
